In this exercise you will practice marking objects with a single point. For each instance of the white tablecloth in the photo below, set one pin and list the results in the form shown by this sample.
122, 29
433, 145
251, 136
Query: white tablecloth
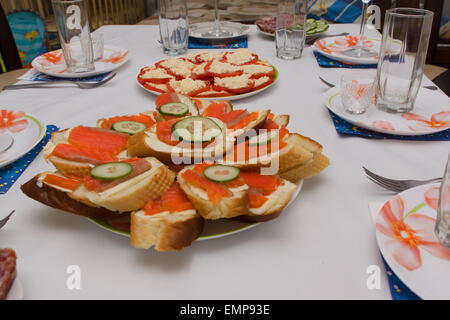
319, 248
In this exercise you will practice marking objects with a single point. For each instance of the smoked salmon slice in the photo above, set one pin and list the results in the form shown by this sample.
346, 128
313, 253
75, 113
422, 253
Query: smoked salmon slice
98, 139
260, 186
237, 119
173, 200
62, 182
79, 154
215, 191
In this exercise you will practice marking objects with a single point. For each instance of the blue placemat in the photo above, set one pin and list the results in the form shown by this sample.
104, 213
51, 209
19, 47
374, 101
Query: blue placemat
329, 63
399, 291
34, 75
344, 127
12, 172
195, 43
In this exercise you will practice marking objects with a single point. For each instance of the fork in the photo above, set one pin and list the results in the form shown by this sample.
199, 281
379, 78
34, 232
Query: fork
331, 85
396, 185
50, 84
5, 220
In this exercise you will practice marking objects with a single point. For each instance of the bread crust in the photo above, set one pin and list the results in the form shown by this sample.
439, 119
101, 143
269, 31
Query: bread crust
60, 200
227, 207
308, 170
135, 196
68, 167
165, 231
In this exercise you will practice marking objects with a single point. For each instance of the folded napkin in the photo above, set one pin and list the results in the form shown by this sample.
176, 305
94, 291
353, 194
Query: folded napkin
34, 75
399, 291
235, 43
326, 62
10, 173
344, 127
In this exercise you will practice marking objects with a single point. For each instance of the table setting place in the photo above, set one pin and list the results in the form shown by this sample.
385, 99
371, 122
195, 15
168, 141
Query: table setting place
186, 160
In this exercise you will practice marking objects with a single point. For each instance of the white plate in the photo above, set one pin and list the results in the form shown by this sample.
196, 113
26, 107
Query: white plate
52, 63
26, 130
212, 229
430, 105
197, 30
425, 273
16, 291
333, 47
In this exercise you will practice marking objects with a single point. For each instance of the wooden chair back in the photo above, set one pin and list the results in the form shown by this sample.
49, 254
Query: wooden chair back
103, 12
8, 49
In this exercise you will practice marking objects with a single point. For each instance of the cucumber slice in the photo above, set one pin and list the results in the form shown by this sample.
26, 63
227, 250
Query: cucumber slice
129, 127
176, 109
196, 130
263, 139
221, 173
111, 171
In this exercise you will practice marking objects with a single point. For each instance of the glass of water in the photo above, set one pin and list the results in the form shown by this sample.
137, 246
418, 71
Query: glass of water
74, 33
357, 92
404, 45
173, 26
442, 227
290, 29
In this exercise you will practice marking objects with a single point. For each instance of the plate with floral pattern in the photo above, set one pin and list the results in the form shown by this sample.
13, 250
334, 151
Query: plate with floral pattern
26, 130
53, 64
405, 236
333, 47
431, 114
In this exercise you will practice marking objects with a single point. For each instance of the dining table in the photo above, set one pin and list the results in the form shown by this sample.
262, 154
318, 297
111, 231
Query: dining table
323, 246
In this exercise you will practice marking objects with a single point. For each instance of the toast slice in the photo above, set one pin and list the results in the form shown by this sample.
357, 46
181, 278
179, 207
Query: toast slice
288, 153
148, 180
148, 144
76, 151
203, 195
169, 223
318, 163
268, 196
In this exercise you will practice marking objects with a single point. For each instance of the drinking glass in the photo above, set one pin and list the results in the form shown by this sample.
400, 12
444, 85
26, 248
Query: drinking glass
360, 51
173, 26
404, 45
74, 33
357, 92
218, 31
290, 29
442, 227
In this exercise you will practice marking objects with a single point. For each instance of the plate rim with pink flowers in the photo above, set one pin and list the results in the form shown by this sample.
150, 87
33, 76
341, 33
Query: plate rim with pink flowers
405, 236
27, 131
431, 114
104, 65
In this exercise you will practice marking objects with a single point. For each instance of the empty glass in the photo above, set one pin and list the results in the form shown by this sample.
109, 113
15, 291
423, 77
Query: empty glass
403, 51
290, 29
357, 92
74, 33
442, 227
173, 26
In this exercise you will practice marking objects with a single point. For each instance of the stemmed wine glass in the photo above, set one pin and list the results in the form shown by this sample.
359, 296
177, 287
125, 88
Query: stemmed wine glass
359, 51
217, 31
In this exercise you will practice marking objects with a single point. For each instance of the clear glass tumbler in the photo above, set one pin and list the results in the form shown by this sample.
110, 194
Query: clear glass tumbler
357, 92
406, 34
173, 26
290, 31
74, 33
442, 227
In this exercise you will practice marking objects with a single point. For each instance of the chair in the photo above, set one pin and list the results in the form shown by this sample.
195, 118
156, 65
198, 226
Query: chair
29, 33
10, 59
103, 12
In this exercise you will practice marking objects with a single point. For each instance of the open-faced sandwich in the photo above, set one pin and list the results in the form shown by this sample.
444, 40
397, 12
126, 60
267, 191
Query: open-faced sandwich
117, 187
268, 195
168, 223
291, 155
182, 140
128, 124
174, 105
77, 150
209, 74
216, 191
